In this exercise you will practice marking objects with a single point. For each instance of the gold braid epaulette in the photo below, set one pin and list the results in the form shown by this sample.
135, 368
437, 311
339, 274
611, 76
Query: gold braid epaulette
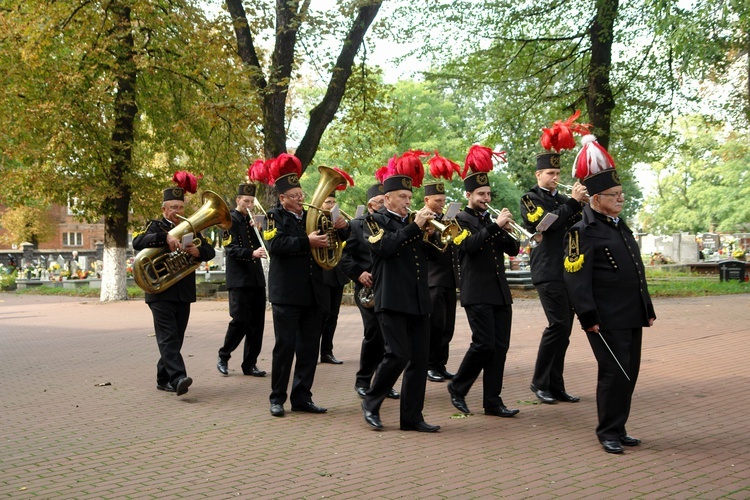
573, 261
534, 212
270, 232
376, 232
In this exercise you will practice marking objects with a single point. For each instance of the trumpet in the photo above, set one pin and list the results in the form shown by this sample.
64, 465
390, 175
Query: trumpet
446, 232
566, 187
519, 233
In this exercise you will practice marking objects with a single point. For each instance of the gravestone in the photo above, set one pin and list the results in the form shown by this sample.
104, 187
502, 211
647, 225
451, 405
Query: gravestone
730, 270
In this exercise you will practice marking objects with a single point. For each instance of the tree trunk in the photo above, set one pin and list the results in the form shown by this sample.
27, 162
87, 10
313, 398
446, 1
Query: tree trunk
116, 204
599, 100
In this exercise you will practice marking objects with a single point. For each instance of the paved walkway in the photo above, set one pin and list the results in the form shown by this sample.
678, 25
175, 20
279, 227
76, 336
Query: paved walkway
65, 435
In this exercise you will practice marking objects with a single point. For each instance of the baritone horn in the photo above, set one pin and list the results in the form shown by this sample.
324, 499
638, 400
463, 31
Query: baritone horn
155, 270
320, 220
519, 233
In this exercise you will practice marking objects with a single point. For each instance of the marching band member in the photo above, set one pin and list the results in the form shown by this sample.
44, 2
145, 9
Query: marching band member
402, 296
171, 308
443, 276
246, 285
356, 263
606, 282
547, 382
485, 294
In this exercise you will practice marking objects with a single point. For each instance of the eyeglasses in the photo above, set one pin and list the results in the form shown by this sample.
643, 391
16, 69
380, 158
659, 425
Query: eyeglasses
295, 197
616, 195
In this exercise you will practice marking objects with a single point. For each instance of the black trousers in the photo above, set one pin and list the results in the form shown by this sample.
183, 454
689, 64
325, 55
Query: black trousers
373, 346
407, 338
330, 320
297, 332
614, 391
442, 325
490, 339
247, 308
550, 359
170, 322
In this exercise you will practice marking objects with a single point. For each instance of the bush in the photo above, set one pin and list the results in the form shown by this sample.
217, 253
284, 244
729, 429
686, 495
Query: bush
8, 281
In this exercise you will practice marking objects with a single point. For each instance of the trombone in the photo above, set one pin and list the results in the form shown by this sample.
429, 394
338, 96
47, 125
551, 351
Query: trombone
519, 233
255, 227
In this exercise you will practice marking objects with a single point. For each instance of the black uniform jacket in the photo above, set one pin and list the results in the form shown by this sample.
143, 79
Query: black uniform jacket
156, 236
444, 270
239, 243
545, 258
399, 266
294, 277
356, 258
482, 261
608, 287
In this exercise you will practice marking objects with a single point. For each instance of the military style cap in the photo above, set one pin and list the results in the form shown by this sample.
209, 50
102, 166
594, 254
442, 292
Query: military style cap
174, 193
434, 188
602, 181
246, 190
547, 160
374, 190
286, 182
477, 180
397, 182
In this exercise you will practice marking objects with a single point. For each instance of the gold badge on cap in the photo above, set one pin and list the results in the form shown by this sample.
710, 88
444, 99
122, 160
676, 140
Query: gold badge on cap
439, 187
615, 176
482, 180
380, 189
293, 179
247, 189
176, 191
554, 161
406, 182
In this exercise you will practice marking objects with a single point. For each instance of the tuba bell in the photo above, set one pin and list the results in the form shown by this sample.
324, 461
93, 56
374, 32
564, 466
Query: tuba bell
155, 269
320, 220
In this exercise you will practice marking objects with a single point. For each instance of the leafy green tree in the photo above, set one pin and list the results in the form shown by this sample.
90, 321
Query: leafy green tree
104, 101
26, 224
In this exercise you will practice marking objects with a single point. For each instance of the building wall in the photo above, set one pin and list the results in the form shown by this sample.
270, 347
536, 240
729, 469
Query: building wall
69, 233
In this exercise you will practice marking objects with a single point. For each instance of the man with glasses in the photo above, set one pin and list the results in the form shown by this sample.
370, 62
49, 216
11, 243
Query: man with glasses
298, 297
606, 282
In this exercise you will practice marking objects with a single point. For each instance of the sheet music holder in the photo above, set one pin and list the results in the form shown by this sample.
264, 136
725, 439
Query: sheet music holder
546, 222
360, 211
453, 208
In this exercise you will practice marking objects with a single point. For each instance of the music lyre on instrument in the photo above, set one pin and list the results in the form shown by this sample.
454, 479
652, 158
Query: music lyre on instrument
519, 233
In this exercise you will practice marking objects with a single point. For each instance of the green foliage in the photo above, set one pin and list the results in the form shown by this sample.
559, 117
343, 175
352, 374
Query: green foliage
702, 182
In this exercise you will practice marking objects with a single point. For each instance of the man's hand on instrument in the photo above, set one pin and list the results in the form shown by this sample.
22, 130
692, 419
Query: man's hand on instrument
173, 243
504, 218
259, 253
579, 193
365, 278
318, 240
340, 223
423, 216
192, 250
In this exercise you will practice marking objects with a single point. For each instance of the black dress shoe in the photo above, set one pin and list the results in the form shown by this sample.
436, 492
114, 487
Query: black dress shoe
457, 400
277, 410
565, 397
372, 419
612, 446
362, 391
501, 411
256, 372
330, 358
165, 386
182, 385
309, 407
545, 397
434, 376
629, 441
221, 365
420, 427
447, 375
393, 394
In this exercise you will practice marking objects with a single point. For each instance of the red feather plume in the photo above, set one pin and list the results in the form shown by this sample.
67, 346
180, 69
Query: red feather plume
410, 163
345, 175
591, 159
441, 167
186, 181
258, 172
481, 159
282, 165
386, 171
560, 135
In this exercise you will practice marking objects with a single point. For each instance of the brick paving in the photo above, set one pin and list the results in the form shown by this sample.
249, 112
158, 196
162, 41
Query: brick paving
65, 436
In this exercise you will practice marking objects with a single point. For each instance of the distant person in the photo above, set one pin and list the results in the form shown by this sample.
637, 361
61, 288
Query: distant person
171, 307
246, 285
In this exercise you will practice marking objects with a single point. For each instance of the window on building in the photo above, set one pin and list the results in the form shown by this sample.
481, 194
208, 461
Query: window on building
72, 239
73, 206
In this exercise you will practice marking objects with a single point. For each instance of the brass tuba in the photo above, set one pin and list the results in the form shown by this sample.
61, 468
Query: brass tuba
155, 270
320, 220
